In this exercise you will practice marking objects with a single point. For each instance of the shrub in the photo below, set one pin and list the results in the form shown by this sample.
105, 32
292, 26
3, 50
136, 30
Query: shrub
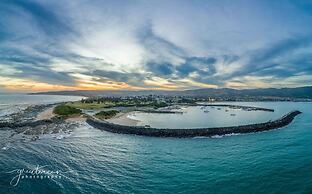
106, 114
160, 105
65, 110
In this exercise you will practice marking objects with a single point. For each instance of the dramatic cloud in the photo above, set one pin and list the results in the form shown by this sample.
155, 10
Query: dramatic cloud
172, 44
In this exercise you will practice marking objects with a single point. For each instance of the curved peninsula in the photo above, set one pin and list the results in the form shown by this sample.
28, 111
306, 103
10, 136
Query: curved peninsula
183, 133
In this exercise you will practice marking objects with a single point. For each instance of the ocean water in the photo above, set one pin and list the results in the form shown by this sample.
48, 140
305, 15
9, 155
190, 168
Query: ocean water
10, 103
94, 161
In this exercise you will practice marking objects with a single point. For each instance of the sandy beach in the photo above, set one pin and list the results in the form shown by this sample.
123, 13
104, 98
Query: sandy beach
122, 119
46, 114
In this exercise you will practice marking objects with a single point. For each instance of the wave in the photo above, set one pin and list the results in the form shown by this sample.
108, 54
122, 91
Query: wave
217, 136
226, 135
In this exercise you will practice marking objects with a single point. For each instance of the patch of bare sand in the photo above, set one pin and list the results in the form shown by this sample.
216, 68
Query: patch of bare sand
79, 118
46, 114
123, 119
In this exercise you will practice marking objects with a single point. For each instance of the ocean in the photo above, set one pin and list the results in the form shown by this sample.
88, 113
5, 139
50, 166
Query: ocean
94, 161
10, 103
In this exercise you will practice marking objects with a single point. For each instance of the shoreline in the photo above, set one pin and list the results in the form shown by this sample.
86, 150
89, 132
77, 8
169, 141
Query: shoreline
37, 120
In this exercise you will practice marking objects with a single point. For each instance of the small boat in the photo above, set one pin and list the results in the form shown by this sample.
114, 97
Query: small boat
206, 111
233, 114
219, 108
147, 126
226, 110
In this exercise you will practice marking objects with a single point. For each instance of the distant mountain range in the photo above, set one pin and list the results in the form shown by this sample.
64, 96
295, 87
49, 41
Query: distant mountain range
226, 93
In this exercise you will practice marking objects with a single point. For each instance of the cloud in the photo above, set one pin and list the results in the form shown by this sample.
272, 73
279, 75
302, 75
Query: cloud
162, 69
282, 59
144, 44
135, 79
46, 20
26, 65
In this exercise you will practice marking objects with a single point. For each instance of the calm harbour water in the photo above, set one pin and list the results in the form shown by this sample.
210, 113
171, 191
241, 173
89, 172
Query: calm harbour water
201, 117
95, 161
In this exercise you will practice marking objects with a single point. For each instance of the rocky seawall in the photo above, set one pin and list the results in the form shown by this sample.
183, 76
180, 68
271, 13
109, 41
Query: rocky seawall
183, 133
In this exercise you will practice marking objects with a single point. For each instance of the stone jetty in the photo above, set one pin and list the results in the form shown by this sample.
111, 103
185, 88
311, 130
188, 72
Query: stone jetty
183, 133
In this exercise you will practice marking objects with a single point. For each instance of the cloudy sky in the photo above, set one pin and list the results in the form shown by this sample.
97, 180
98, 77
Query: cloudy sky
154, 44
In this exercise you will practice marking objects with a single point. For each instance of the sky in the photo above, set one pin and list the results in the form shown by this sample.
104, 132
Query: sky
48, 45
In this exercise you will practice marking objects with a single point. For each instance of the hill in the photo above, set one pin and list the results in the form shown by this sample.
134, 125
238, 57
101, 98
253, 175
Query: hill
223, 93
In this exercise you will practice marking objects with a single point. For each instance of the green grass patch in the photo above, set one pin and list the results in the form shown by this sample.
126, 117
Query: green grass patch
159, 105
106, 114
64, 110
94, 105
100, 104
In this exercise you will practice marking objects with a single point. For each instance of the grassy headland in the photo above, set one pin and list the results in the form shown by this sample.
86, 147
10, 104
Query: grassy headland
90, 105
106, 102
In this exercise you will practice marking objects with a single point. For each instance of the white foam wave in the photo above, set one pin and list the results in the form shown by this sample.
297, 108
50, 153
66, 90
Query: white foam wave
226, 135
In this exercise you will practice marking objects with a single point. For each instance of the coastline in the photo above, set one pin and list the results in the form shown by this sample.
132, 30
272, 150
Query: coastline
46, 122
38, 120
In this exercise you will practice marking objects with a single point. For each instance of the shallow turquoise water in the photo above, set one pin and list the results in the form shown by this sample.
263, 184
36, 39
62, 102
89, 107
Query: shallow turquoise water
277, 161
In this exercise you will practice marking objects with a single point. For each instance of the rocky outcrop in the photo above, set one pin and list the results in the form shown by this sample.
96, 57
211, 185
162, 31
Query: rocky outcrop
39, 127
208, 132
28, 123
28, 114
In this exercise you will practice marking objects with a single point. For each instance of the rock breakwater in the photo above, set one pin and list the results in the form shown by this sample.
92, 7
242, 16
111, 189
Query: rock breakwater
182, 133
